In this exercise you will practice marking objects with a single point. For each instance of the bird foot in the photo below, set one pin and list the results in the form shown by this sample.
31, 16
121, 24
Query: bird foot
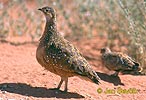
58, 89
114, 75
65, 91
54, 89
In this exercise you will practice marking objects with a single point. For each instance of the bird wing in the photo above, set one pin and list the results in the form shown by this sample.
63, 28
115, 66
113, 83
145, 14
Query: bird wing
130, 59
67, 57
77, 63
128, 62
119, 61
75, 59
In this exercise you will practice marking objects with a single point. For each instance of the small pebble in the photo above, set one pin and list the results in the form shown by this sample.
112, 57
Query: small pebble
4, 92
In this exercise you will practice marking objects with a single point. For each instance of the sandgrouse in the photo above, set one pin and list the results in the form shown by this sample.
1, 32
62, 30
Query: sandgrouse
118, 61
59, 56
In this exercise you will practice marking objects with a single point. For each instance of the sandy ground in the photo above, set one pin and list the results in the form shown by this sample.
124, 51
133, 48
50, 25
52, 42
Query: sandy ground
22, 78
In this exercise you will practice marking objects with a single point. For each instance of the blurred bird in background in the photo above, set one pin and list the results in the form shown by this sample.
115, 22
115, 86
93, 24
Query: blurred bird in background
118, 61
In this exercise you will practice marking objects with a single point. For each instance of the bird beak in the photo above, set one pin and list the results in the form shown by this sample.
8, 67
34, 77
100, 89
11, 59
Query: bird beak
40, 9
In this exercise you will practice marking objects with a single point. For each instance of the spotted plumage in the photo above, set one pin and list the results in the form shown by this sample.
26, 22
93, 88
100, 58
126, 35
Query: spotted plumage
118, 61
59, 56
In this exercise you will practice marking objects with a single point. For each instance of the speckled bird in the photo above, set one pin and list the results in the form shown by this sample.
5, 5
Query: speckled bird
118, 61
59, 56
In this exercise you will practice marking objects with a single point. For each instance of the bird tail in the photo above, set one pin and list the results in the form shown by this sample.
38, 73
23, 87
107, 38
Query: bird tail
94, 77
137, 67
136, 64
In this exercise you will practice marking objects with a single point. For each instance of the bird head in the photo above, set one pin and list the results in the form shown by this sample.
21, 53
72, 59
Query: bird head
49, 13
105, 50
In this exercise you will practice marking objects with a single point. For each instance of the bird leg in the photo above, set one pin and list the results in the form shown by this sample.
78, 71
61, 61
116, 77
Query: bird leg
60, 83
115, 74
66, 83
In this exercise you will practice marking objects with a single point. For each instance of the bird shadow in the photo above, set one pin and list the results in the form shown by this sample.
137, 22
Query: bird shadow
111, 79
27, 90
18, 43
134, 73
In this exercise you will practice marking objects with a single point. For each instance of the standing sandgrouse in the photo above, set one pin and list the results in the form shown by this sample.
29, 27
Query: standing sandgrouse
118, 61
59, 56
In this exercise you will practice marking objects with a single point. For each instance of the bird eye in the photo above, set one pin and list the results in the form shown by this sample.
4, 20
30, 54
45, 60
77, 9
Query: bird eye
47, 10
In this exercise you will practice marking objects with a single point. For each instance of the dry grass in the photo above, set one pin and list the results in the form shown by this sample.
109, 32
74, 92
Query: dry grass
134, 12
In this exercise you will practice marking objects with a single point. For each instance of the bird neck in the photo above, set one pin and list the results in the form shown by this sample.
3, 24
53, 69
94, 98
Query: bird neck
50, 30
50, 27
